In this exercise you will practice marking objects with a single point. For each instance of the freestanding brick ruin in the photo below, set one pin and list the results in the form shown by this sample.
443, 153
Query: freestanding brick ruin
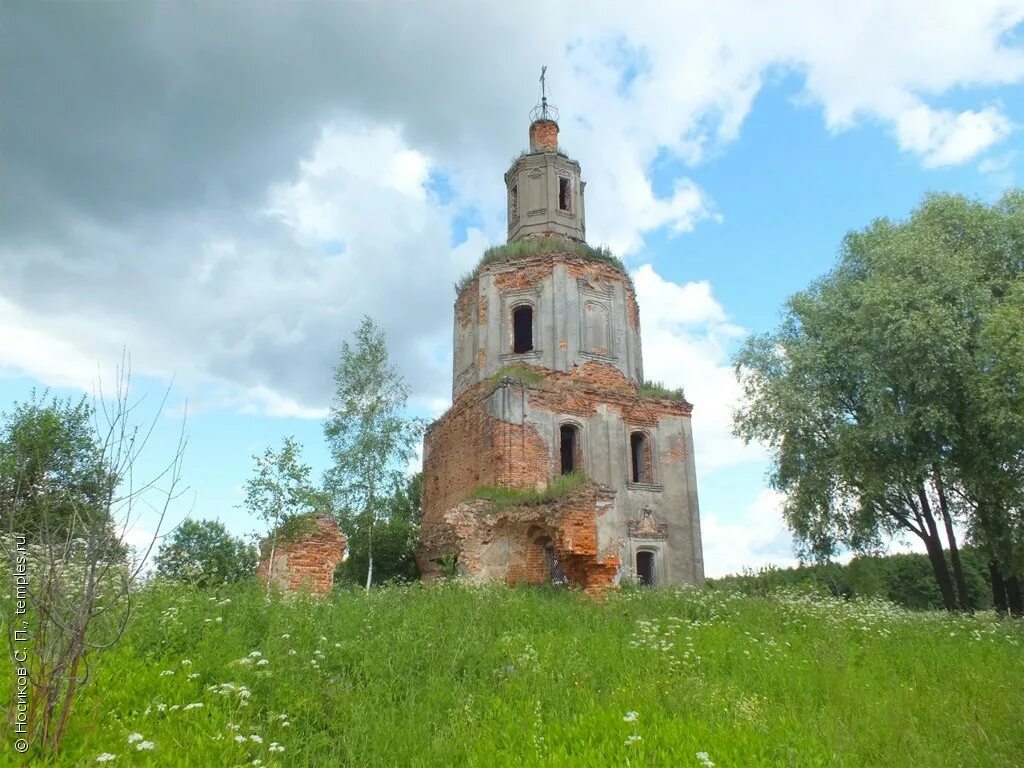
547, 381
307, 562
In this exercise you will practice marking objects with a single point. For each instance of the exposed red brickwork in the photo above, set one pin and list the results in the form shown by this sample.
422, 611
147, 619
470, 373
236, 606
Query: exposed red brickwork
675, 452
599, 383
509, 543
308, 562
467, 448
544, 135
481, 315
464, 305
632, 311
521, 276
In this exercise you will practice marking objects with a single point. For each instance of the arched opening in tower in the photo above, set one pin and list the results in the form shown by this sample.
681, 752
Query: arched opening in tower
522, 329
645, 568
569, 441
640, 457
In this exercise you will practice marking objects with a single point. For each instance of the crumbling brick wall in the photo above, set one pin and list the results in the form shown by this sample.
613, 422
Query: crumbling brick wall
468, 448
307, 562
510, 543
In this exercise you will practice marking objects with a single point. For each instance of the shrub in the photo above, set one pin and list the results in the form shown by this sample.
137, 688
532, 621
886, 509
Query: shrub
559, 487
657, 389
202, 552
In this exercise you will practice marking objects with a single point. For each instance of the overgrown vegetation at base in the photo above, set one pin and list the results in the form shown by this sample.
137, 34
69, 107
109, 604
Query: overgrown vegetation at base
905, 579
657, 389
557, 488
491, 677
523, 248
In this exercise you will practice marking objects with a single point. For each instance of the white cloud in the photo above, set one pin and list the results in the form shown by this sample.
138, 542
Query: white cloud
687, 340
943, 137
756, 538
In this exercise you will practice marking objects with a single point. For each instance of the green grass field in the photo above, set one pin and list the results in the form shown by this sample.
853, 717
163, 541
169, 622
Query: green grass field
458, 676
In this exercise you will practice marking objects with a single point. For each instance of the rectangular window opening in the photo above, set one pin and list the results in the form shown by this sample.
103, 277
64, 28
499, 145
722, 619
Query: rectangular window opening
522, 329
568, 436
564, 194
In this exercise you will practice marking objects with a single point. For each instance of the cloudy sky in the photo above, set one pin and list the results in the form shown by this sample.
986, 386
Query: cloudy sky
225, 189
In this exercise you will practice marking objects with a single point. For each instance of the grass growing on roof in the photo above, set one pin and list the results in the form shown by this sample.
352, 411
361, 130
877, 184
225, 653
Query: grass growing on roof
523, 248
520, 373
657, 389
558, 488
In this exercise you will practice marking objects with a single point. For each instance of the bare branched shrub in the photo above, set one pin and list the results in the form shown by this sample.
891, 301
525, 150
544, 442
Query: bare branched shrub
66, 521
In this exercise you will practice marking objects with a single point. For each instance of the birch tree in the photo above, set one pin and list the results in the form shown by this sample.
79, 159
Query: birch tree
371, 440
279, 491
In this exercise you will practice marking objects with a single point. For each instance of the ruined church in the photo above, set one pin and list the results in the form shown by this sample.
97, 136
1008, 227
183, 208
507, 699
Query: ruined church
548, 382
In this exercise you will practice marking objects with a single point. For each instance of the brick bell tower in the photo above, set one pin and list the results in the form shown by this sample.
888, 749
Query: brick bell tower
547, 382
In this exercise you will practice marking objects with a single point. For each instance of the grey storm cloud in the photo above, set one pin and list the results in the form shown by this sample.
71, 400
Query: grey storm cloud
122, 110
134, 135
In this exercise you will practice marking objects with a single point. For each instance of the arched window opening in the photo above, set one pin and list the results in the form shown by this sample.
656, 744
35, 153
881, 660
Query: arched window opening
640, 458
645, 568
513, 201
522, 329
569, 438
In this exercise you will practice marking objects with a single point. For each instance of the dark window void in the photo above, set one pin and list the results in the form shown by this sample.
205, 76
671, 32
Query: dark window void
564, 194
640, 457
569, 434
553, 568
522, 329
645, 568
513, 201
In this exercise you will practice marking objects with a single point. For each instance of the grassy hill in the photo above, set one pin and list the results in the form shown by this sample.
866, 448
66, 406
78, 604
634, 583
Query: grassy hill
450, 675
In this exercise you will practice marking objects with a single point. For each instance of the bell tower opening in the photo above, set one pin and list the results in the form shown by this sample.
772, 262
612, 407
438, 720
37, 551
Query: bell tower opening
522, 329
545, 191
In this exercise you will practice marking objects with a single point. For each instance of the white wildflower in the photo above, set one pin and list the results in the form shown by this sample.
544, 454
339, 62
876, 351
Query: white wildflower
135, 737
705, 760
186, 663
106, 757
167, 672
255, 738
630, 717
275, 747
262, 663
144, 746
240, 739
194, 705
632, 739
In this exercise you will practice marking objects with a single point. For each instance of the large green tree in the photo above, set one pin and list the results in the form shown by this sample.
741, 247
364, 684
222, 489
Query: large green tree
202, 552
891, 392
52, 470
370, 437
